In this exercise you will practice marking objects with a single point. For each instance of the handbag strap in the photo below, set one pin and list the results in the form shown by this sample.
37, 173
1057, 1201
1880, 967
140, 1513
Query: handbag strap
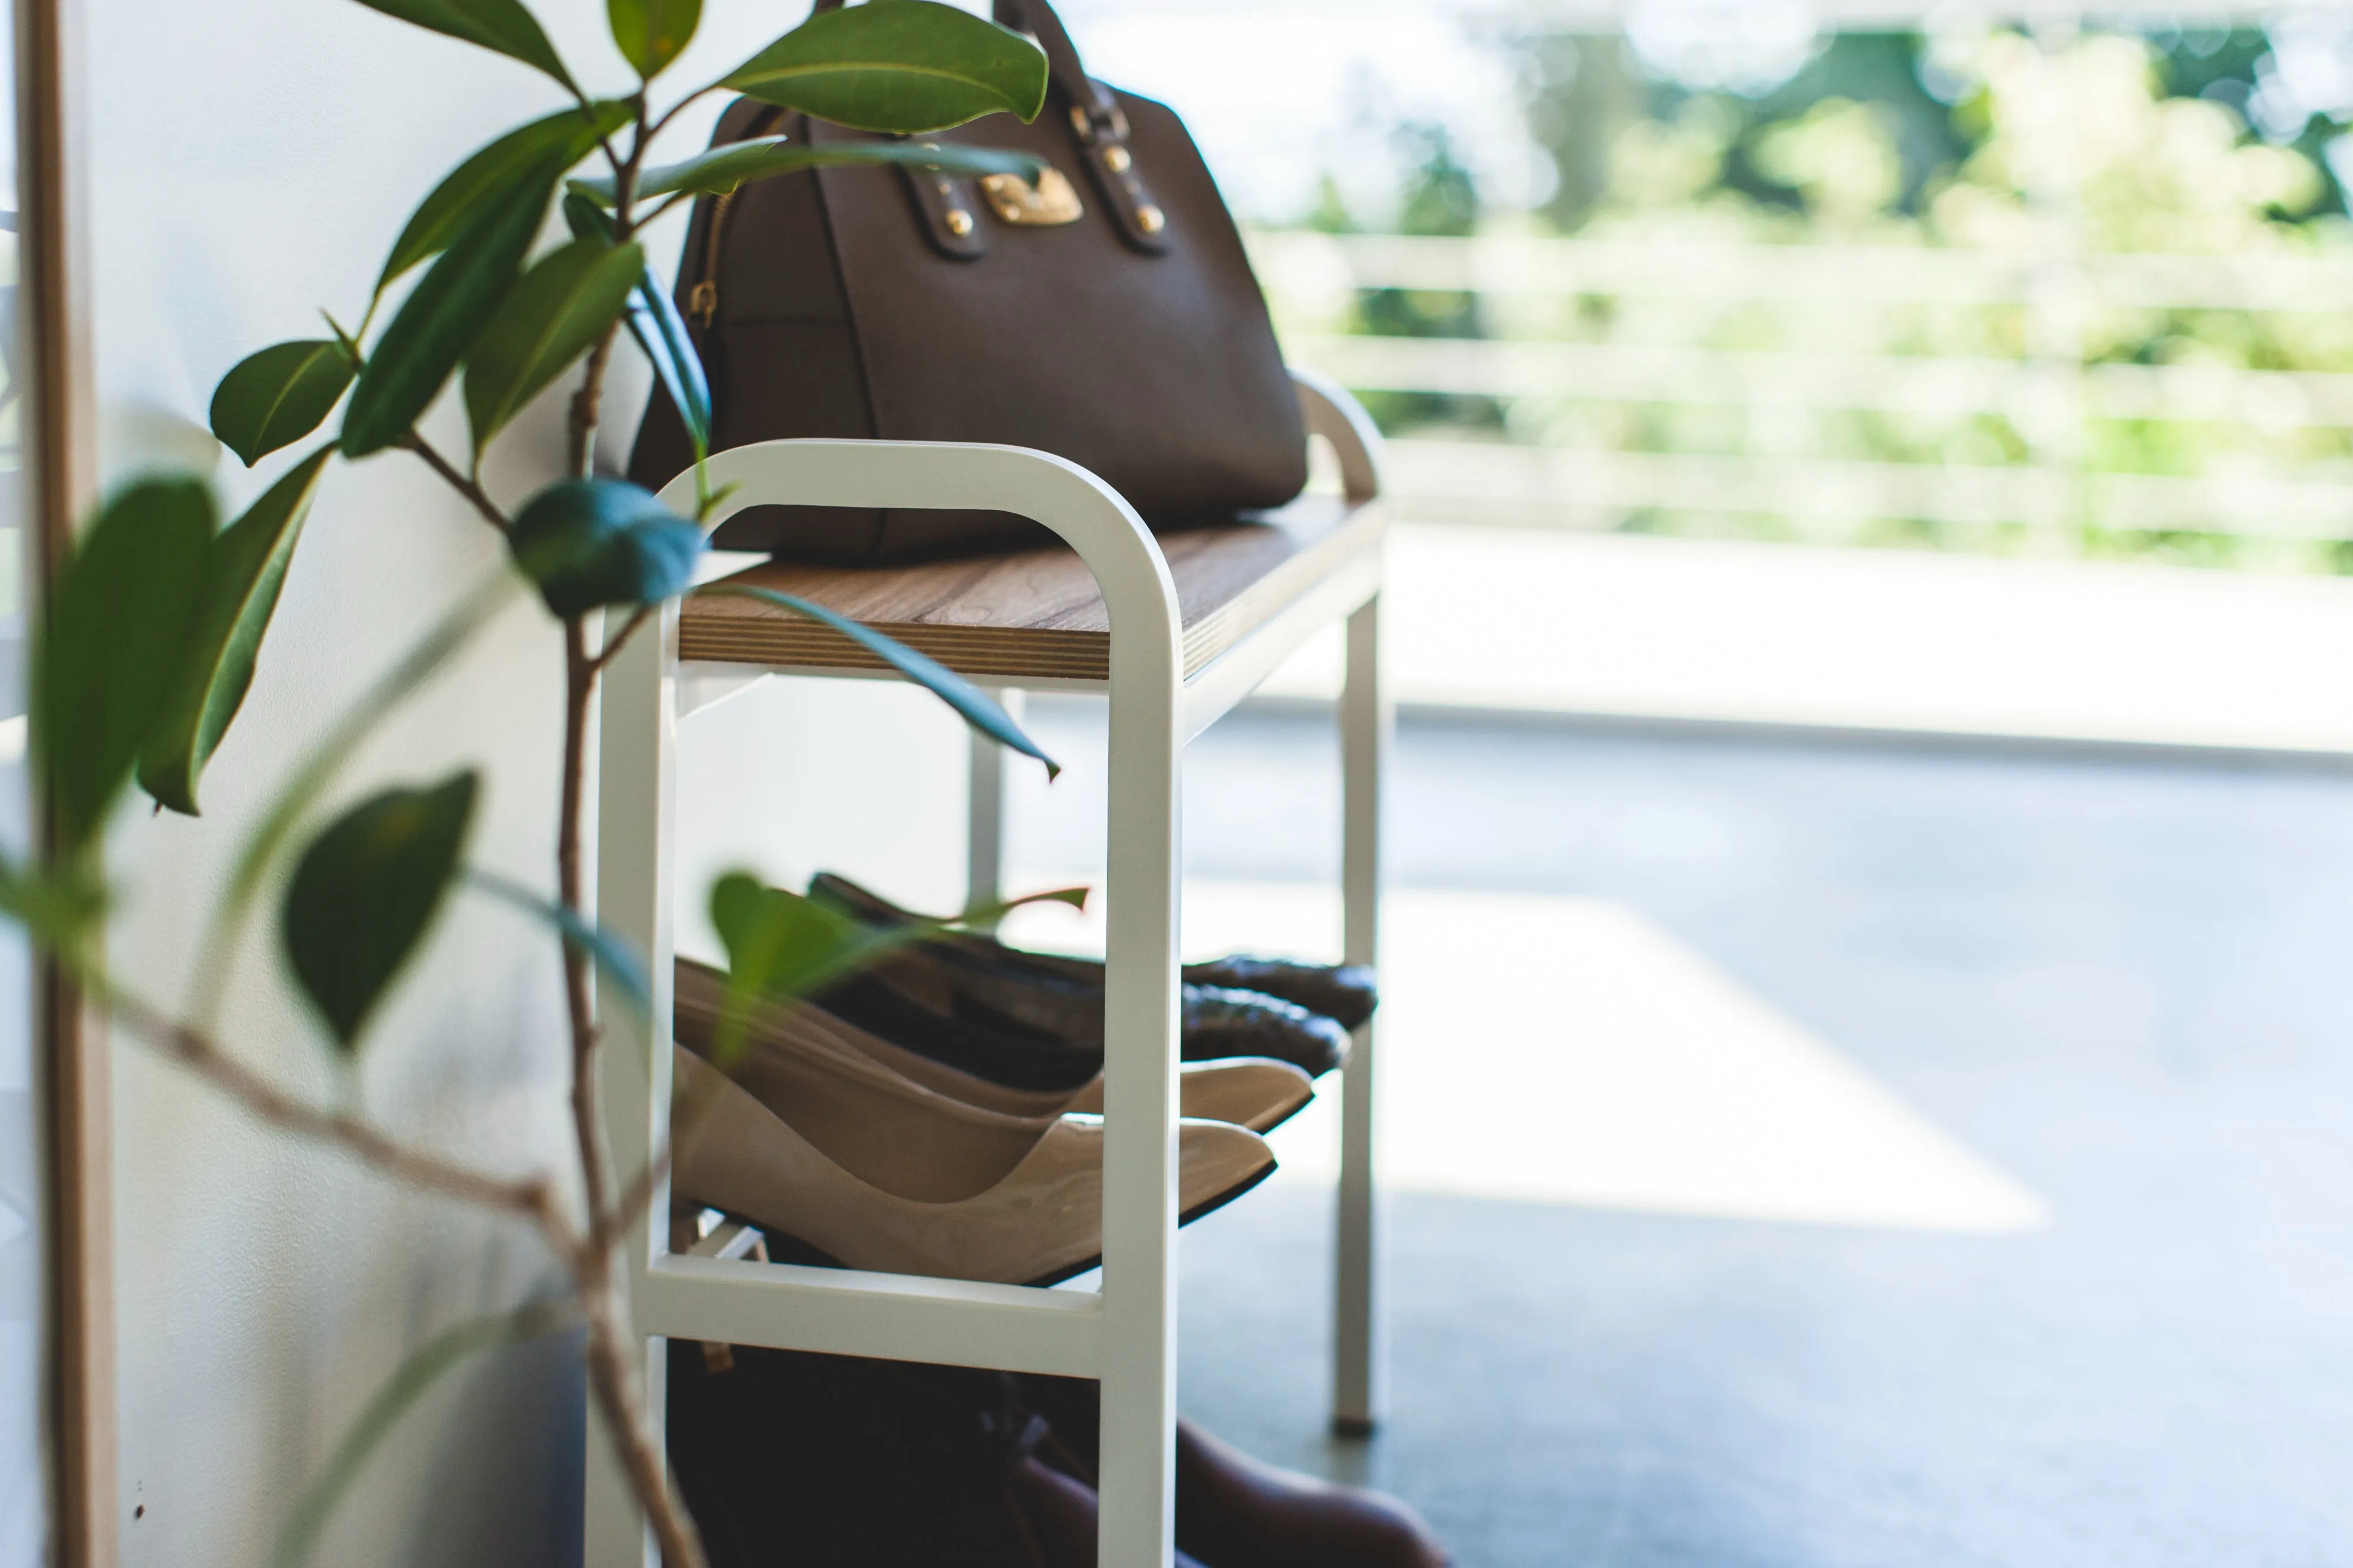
1096, 120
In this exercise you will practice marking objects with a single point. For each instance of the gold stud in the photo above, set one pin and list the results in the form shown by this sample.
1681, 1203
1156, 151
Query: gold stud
1081, 124
1149, 218
959, 222
1116, 160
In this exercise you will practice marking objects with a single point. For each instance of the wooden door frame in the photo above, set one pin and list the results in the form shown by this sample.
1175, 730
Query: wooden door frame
71, 1071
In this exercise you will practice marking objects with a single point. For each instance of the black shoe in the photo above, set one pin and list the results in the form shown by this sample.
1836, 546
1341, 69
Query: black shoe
1017, 1019
1343, 993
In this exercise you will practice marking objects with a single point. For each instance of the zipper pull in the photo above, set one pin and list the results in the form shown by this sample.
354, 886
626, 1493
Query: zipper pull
703, 300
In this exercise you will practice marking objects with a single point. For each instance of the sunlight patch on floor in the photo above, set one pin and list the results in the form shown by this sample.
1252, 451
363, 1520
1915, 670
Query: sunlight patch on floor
1569, 1050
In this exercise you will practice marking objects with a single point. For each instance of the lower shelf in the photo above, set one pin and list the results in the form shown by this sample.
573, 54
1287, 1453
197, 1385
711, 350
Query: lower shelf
895, 1317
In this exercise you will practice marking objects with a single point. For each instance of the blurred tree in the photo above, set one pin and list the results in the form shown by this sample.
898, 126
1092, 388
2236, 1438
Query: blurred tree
2218, 142
1440, 198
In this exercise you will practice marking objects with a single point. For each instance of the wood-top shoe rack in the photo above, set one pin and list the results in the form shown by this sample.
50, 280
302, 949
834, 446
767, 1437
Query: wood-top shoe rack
1176, 632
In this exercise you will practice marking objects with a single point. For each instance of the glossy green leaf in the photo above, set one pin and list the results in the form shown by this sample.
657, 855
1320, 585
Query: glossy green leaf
364, 892
244, 570
978, 708
409, 1383
607, 951
782, 945
325, 759
555, 311
502, 25
660, 331
59, 908
443, 315
722, 169
589, 542
276, 396
112, 645
905, 67
497, 175
652, 32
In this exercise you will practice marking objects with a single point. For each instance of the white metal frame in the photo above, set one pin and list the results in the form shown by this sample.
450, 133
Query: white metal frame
1125, 1334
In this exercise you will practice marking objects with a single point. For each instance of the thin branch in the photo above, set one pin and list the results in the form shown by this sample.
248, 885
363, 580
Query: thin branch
532, 1197
630, 1206
587, 1112
587, 403
460, 482
637, 142
613, 1371
662, 123
612, 649
675, 199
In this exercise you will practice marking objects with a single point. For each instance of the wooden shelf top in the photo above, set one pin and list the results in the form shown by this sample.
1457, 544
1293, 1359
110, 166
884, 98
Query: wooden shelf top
1035, 613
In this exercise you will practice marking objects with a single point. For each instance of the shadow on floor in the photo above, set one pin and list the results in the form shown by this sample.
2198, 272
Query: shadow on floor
2123, 983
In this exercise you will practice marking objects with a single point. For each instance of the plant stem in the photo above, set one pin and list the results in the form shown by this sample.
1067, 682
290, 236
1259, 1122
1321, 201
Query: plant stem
587, 403
474, 493
612, 1349
587, 1112
612, 1368
529, 1196
620, 639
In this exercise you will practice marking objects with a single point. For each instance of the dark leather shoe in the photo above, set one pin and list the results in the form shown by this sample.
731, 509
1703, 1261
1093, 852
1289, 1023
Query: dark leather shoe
1059, 1511
1234, 1512
1342, 993
1033, 1021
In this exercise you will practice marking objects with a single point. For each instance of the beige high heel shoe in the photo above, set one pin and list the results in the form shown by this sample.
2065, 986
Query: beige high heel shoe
1255, 1093
911, 1188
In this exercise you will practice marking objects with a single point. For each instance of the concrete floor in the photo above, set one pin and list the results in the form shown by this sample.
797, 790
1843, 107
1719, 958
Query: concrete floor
2122, 983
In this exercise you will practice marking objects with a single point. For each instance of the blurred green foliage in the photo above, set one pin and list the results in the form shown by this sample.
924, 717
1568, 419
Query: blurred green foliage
2065, 149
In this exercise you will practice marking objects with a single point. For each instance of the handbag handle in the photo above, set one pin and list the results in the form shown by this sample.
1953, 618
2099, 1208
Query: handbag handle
1062, 63
1096, 120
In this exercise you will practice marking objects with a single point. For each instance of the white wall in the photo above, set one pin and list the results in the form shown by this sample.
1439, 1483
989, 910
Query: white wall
251, 162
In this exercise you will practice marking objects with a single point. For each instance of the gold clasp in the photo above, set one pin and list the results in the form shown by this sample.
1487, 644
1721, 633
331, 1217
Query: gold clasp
1015, 201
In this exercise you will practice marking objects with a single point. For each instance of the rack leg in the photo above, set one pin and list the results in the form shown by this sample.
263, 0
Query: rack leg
1365, 726
1138, 1466
985, 844
636, 806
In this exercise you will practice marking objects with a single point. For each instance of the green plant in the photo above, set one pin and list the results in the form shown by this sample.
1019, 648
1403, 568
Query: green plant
153, 628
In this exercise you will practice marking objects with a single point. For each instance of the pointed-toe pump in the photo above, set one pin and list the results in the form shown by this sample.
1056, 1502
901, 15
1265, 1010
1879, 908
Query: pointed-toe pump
915, 1191
1247, 1092
1257, 1093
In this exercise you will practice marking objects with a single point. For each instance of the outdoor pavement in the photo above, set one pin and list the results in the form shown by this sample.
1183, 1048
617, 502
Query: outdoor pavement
1803, 1152
1521, 620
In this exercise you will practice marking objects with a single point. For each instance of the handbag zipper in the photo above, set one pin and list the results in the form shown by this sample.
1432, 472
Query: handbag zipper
703, 300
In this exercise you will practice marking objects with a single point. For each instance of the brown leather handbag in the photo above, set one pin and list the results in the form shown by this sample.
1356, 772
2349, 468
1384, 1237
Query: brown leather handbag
1105, 313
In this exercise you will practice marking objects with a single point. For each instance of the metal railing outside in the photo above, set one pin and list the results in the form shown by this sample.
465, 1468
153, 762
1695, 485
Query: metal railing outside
2047, 391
